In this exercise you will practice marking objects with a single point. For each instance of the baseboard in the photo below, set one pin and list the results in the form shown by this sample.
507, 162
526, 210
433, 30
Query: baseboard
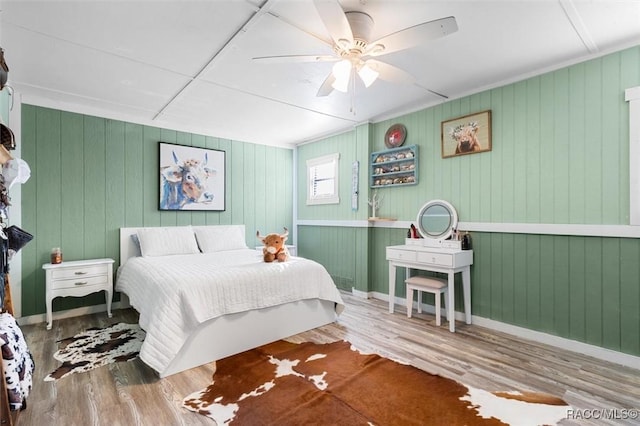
560, 342
361, 294
537, 336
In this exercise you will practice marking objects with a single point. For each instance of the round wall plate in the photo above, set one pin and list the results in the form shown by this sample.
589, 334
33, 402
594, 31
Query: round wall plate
395, 136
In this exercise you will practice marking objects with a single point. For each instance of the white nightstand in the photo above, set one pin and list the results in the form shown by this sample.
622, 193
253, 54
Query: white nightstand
78, 278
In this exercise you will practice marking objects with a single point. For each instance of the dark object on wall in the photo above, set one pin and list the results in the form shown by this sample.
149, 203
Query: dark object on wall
5, 155
17, 237
7, 139
4, 70
4, 193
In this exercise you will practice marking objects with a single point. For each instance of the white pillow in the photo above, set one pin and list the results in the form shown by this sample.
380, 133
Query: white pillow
166, 241
219, 238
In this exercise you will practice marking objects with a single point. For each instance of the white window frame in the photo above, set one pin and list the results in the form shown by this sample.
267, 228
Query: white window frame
332, 198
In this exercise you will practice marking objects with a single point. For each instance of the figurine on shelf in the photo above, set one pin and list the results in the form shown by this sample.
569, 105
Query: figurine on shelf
374, 202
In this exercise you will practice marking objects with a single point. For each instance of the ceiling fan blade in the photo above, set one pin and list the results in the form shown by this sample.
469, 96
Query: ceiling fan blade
326, 87
335, 20
413, 36
390, 73
295, 58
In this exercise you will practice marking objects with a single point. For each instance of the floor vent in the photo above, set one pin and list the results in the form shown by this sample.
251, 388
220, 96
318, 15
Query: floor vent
343, 283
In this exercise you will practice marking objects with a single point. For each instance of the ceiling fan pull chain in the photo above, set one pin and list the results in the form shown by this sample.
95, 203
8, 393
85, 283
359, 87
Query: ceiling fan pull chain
352, 109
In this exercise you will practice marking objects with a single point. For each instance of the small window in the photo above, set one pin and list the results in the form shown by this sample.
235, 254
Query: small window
322, 180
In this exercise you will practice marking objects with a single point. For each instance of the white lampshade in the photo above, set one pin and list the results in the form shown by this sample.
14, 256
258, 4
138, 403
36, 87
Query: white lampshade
342, 72
368, 75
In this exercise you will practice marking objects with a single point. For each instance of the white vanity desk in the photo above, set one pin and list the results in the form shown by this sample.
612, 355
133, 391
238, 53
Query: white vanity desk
434, 259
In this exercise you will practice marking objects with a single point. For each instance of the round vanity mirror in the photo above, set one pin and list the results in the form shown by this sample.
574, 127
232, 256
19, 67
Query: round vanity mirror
437, 219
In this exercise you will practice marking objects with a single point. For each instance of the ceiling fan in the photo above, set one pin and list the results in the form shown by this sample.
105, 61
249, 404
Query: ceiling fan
355, 53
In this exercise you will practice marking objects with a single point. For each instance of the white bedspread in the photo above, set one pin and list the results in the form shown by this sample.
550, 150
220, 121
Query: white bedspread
174, 294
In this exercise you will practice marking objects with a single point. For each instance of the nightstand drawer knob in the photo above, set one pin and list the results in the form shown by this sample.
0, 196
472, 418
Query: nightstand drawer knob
80, 273
80, 283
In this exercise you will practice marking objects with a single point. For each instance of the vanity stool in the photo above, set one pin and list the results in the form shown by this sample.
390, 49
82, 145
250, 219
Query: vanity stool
437, 286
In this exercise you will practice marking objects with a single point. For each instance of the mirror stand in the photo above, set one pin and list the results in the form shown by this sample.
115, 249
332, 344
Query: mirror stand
437, 221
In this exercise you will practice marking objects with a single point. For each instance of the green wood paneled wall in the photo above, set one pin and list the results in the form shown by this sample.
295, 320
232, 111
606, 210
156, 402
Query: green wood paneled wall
559, 152
352, 146
343, 251
559, 155
92, 176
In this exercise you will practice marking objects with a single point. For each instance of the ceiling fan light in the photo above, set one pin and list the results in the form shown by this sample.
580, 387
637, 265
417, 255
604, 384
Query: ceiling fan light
342, 72
341, 85
368, 75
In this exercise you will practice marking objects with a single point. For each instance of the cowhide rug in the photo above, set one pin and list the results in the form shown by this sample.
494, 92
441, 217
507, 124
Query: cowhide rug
97, 347
333, 384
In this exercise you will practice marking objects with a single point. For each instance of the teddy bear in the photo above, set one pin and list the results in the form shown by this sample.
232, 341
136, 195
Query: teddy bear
274, 246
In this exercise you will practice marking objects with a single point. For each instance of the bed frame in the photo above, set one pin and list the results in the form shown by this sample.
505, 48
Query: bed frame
234, 333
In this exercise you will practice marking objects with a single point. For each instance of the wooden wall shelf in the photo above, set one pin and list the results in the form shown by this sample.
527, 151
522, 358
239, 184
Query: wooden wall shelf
394, 167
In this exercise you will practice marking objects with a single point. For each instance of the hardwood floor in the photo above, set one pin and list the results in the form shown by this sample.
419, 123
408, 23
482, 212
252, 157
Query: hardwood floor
130, 393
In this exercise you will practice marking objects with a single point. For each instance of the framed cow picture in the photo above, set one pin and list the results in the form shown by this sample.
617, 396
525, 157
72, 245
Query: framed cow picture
191, 178
468, 134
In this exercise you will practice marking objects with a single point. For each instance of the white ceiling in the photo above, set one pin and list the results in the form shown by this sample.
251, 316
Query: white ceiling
187, 65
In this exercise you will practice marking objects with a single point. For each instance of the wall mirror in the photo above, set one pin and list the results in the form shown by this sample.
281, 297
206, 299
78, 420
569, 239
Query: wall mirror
437, 219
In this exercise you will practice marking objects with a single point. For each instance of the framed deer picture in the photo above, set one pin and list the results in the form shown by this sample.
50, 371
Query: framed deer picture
468, 134
191, 178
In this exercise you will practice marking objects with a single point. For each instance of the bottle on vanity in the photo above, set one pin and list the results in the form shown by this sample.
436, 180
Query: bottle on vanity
466, 241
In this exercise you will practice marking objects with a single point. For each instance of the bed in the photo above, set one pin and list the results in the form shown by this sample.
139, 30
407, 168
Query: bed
202, 303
